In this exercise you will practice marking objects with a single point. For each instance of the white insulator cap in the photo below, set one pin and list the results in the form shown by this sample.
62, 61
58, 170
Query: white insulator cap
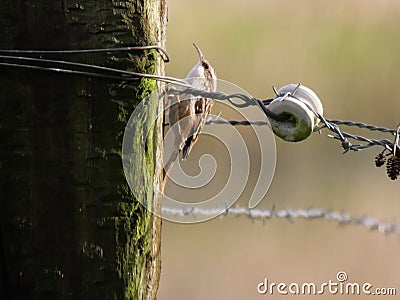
299, 103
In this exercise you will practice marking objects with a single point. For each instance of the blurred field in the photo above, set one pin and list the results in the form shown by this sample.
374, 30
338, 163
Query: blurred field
348, 52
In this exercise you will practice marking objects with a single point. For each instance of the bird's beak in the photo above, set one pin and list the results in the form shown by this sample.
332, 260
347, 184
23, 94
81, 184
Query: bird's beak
201, 56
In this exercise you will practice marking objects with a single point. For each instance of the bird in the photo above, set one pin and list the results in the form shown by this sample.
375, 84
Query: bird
187, 113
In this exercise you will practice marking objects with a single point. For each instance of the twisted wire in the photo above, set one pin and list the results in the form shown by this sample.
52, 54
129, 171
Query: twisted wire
237, 122
247, 101
331, 125
387, 144
362, 125
307, 214
76, 68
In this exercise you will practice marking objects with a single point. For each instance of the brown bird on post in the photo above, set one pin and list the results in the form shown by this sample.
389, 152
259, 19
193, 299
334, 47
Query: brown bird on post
187, 113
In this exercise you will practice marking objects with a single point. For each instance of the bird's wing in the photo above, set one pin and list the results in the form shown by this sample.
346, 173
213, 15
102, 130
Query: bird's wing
202, 108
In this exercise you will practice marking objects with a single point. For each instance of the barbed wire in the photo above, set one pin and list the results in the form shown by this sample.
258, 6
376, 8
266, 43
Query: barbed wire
337, 122
76, 68
289, 214
331, 125
361, 125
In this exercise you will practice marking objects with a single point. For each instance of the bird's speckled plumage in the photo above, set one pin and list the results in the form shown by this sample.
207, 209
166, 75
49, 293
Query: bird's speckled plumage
189, 112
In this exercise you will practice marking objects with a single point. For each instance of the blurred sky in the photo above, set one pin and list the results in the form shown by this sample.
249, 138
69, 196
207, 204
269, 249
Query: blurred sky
348, 52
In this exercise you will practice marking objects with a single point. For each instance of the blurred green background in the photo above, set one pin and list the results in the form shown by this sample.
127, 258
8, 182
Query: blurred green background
348, 52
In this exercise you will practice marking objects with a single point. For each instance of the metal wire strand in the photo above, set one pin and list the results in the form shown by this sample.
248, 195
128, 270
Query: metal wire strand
360, 125
93, 70
290, 214
247, 101
164, 54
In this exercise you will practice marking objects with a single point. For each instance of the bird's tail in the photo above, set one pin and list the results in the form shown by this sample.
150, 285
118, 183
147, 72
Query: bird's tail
188, 146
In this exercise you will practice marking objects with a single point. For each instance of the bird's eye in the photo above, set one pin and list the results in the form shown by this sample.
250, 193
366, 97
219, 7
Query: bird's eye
205, 66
